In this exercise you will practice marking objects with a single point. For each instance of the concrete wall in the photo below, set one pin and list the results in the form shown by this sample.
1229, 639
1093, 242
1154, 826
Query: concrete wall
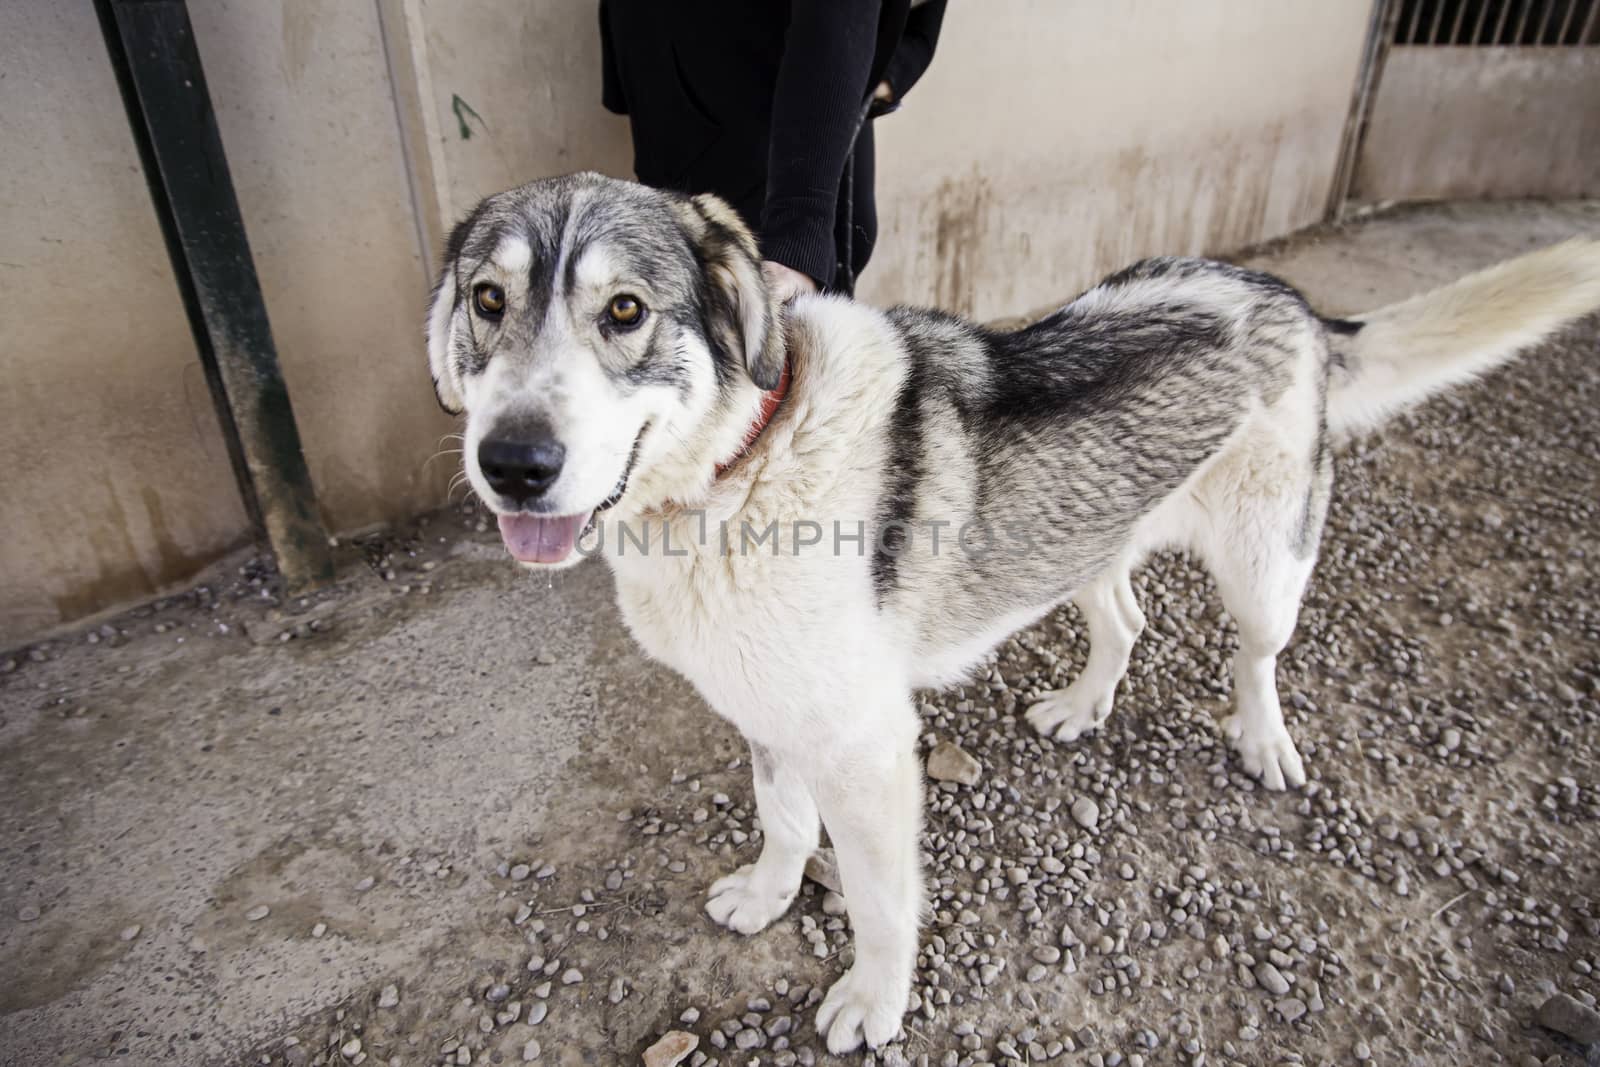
1052, 140
1483, 122
308, 120
118, 483
115, 480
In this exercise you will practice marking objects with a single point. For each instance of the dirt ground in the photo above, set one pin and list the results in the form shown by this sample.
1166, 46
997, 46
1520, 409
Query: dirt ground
447, 814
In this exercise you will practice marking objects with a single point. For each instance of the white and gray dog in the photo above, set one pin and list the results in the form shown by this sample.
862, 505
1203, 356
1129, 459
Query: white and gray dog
813, 511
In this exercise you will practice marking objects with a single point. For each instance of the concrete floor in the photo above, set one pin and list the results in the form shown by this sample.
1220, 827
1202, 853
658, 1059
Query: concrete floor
442, 767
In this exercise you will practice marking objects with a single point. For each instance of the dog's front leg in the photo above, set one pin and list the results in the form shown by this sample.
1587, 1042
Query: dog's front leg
872, 805
753, 896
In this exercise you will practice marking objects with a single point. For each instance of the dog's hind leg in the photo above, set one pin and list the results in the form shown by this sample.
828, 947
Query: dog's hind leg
1261, 578
753, 896
1115, 622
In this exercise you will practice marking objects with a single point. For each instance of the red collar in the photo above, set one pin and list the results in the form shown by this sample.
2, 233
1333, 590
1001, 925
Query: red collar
769, 407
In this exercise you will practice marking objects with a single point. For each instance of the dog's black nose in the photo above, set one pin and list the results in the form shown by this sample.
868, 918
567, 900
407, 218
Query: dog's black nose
521, 470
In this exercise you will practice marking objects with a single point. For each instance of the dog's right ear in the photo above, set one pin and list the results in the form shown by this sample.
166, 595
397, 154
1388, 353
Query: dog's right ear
442, 313
741, 313
441, 316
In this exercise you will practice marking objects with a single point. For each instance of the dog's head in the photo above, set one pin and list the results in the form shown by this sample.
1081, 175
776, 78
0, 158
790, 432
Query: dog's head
591, 329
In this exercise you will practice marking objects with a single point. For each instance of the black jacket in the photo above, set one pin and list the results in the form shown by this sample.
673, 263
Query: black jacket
760, 101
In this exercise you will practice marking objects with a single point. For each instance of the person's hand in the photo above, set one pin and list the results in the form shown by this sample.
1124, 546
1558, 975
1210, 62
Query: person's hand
786, 283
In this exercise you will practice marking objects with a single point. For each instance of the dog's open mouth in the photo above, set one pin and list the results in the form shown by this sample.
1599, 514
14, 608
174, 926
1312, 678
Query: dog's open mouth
551, 538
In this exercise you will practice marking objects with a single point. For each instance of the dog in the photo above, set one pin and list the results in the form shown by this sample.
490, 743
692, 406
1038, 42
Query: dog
813, 510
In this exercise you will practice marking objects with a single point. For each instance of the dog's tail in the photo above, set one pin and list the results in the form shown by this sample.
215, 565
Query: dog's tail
1399, 355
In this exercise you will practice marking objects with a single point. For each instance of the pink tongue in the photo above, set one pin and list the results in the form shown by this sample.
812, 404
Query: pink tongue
541, 538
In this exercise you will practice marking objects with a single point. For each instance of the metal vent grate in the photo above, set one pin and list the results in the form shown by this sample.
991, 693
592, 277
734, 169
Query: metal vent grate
1545, 23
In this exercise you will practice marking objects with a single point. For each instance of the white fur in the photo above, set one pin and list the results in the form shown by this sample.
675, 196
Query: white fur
795, 652
1408, 351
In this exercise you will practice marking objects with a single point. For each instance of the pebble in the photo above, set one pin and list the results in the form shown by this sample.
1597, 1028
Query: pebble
130, 932
537, 1012
389, 997
823, 869
1086, 812
671, 1049
257, 913
1571, 1017
28, 913
949, 762
571, 976
531, 1050
1272, 979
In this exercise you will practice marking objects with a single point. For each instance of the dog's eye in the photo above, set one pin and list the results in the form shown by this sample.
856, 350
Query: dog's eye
625, 310
490, 299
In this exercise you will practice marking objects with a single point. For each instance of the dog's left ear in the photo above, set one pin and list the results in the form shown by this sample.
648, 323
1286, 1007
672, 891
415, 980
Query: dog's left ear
741, 313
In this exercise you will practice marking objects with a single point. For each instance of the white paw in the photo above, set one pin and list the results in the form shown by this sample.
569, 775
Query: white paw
1068, 714
861, 1007
747, 901
1268, 754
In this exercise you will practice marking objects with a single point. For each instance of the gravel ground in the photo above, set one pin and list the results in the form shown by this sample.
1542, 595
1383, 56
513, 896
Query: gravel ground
1130, 899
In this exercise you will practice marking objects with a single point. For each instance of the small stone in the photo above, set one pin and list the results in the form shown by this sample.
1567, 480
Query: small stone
257, 913
949, 762
618, 990
673, 1047
319, 929
497, 992
822, 869
833, 904
130, 932
351, 1049
536, 1012
28, 913
531, 1050
1573, 1018
1291, 1009
389, 997
366, 884
571, 976
521, 872
1272, 979
1086, 813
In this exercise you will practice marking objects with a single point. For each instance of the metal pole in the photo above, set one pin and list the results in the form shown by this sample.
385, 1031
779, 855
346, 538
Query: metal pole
1381, 25
153, 51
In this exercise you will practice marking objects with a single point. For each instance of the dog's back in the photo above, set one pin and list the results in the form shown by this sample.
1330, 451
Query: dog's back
1049, 444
